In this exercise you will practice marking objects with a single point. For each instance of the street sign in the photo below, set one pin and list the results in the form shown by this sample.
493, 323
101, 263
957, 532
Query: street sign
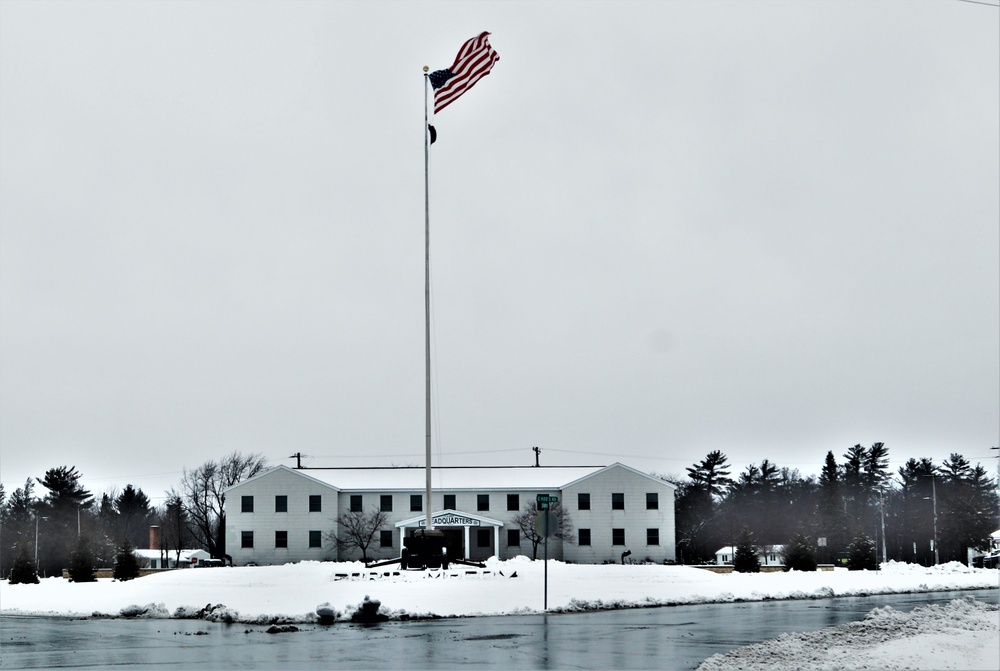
546, 523
544, 500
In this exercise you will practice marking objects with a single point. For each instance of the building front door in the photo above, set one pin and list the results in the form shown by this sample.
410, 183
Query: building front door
453, 540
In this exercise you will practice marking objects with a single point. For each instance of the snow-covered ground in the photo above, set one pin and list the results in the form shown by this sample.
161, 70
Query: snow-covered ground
929, 638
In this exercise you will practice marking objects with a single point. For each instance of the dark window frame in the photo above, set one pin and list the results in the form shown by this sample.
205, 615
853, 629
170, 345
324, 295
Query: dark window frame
450, 499
652, 501
383, 534
315, 503
281, 538
653, 536
617, 537
357, 503
514, 499
246, 539
416, 503
584, 537
385, 503
617, 500
482, 502
484, 535
315, 539
583, 501
514, 534
281, 503
246, 504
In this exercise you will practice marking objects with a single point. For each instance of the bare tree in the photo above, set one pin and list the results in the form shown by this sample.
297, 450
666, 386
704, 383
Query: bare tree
203, 491
525, 521
357, 530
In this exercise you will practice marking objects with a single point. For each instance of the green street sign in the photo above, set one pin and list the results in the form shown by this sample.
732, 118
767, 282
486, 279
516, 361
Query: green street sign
544, 500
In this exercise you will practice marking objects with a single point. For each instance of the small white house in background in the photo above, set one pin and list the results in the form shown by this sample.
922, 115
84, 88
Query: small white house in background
168, 559
769, 555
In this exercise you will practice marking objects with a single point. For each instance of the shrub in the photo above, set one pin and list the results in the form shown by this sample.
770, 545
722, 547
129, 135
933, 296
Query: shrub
745, 559
81, 562
799, 554
861, 554
24, 571
126, 563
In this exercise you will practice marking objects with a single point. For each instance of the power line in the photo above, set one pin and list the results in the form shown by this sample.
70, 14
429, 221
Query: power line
977, 2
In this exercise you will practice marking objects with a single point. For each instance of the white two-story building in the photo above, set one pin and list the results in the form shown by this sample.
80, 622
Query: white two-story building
286, 515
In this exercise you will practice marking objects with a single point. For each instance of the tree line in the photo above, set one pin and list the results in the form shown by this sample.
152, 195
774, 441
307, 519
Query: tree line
56, 523
923, 513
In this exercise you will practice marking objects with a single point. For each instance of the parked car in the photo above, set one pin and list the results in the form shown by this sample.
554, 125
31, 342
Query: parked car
992, 559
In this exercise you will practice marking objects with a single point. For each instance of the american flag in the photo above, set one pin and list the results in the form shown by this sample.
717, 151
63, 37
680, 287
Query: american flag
474, 61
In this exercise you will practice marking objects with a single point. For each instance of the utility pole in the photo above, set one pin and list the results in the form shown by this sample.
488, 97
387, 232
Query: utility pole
937, 559
538, 451
881, 505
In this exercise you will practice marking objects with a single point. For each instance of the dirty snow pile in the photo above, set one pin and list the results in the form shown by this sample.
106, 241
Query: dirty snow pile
963, 634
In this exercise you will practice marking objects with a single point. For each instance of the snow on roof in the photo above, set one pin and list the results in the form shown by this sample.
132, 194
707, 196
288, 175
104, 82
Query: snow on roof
454, 479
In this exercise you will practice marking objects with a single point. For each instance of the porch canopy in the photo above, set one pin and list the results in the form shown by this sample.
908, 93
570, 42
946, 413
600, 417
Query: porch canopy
456, 518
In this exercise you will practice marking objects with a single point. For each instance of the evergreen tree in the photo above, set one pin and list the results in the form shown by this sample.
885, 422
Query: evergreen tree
799, 554
126, 563
745, 559
81, 562
64, 506
861, 554
24, 571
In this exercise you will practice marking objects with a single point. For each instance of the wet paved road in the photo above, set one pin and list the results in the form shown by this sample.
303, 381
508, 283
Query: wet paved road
655, 638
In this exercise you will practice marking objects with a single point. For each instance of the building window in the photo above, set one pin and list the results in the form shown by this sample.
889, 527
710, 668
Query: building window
618, 537
583, 501
356, 503
584, 535
483, 537
315, 503
652, 536
416, 503
652, 501
246, 539
281, 503
482, 501
385, 538
281, 539
246, 504
513, 538
513, 502
449, 502
315, 539
618, 501
385, 503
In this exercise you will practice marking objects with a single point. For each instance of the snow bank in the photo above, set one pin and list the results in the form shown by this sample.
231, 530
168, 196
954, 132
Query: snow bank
291, 593
964, 634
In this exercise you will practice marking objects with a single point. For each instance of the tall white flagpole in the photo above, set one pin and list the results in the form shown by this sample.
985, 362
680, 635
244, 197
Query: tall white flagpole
427, 301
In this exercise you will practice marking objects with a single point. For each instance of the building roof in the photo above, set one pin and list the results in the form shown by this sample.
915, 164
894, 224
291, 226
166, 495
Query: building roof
442, 478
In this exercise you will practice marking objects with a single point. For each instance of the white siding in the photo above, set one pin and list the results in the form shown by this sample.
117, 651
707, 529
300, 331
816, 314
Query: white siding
600, 483
635, 519
264, 521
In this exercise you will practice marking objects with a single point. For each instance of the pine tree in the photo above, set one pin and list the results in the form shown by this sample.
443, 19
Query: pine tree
799, 554
81, 562
24, 571
126, 563
745, 559
861, 554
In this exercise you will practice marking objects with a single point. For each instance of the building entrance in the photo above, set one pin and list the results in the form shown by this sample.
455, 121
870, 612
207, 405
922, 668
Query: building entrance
453, 542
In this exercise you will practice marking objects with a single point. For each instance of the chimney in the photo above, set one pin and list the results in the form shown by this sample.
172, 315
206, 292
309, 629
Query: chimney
154, 538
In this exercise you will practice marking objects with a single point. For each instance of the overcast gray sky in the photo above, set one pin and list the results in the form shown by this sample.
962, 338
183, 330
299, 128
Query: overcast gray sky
658, 229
